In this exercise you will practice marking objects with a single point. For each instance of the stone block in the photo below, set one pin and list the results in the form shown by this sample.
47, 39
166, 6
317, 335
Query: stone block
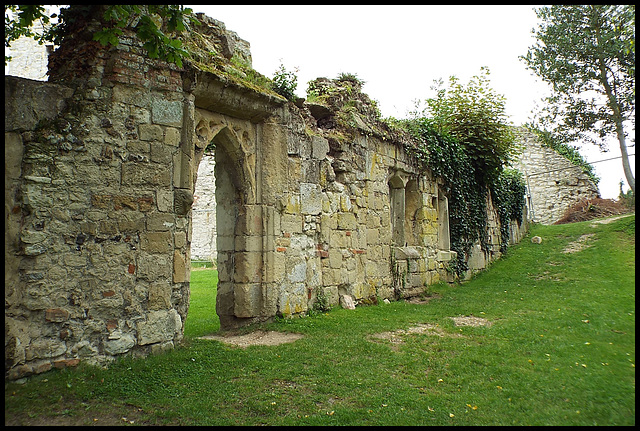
339, 239
165, 200
130, 95
345, 203
254, 243
172, 137
347, 302
156, 242
161, 154
346, 221
145, 174
182, 201
292, 204
145, 203
180, 239
159, 326
130, 222
119, 343
108, 227
249, 222
159, 297
56, 315
446, 256
294, 300
310, 198
319, 147
150, 132
406, 253
248, 267
32, 237
167, 113
298, 272
13, 153
179, 267
335, 258
247, 300
43, 348
160, 222
291, 223
373, 236
426, 213
279, 268
225, 299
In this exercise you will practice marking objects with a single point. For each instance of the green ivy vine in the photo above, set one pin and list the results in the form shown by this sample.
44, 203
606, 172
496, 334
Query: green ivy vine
466, 188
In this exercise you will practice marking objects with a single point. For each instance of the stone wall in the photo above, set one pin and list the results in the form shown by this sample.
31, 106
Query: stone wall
203, 232
313, 203
554, 184
28, 58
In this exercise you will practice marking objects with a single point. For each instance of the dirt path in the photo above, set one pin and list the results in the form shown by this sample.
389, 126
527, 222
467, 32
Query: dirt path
256, 338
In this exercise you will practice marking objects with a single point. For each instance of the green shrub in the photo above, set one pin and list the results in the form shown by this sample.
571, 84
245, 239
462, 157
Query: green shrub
285, 83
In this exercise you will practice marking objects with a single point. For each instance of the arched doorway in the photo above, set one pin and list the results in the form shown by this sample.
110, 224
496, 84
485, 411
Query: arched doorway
228, 204
238, 220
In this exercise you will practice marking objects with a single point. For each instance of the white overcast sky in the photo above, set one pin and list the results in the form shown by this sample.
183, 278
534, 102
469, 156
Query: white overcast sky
400, 50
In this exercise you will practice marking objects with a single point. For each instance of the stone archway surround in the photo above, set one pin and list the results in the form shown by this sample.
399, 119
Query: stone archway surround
239, 218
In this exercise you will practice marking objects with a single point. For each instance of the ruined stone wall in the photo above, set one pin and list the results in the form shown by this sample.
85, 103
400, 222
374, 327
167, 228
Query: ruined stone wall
28, 58
554, 184
334, 223
203, 232
98, 222
313, 204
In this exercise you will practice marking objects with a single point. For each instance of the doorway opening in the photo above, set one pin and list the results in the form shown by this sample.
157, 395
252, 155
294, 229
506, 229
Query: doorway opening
214, 215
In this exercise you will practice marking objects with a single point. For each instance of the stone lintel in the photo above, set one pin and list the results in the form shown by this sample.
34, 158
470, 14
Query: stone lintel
216, 94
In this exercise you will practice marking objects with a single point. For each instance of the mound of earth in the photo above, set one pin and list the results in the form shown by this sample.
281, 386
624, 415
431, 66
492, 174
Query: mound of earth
590, 209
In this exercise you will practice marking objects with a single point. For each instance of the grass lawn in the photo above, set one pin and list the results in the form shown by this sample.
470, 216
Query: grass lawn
558, 348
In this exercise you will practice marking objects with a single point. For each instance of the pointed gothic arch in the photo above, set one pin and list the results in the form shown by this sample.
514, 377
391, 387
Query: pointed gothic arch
239, 253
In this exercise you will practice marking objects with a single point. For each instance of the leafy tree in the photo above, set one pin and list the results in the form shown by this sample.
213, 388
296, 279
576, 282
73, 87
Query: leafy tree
587, 54
155, 25
474, 115
20, 22
463, 137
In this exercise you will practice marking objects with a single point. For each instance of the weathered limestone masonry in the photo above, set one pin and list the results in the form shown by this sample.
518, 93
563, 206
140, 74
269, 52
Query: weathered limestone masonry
203, 234
553, 183
313, 203
28, 58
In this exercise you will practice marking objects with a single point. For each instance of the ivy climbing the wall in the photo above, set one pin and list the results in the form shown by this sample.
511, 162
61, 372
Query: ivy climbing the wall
507, 193
467, 142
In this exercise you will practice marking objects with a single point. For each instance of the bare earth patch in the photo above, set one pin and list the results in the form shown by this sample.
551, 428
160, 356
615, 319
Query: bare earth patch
470, 321
256, 338
422, 299
609, 220
579, 244
397, 337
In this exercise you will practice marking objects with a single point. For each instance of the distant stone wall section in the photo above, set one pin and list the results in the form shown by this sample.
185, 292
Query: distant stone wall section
203, 235
554, 184
29, 59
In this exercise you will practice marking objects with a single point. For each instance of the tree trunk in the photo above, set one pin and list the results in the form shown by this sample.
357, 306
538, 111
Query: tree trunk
625, 158
617, 113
